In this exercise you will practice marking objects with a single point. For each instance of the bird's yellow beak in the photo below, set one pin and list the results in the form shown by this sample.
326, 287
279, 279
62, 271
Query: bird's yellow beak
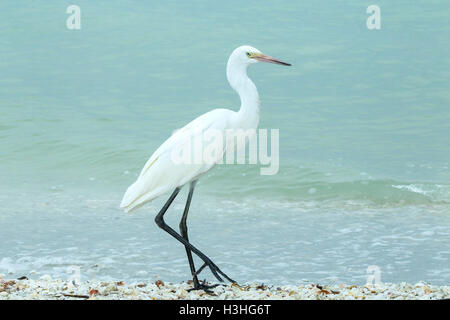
263, 58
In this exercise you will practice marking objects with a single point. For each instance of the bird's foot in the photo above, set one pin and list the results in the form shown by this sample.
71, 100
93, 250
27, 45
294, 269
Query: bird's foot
202, 285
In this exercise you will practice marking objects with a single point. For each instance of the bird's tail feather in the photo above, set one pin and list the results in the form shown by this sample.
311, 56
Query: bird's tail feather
135, 196
130, 200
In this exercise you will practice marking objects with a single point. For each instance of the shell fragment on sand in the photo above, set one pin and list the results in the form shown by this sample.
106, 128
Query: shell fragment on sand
51, 289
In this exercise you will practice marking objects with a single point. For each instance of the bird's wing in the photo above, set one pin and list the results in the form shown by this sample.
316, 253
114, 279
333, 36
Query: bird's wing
162, 174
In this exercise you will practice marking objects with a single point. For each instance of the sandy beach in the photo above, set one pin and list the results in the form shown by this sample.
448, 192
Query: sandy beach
47, 288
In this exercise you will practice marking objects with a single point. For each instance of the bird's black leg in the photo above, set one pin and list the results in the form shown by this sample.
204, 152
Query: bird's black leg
184, 234
161, 223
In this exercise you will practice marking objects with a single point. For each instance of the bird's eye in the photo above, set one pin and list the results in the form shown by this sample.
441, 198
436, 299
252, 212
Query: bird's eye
248, 54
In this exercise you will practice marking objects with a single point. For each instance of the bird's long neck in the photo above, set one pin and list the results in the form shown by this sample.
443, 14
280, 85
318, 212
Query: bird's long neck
248, 115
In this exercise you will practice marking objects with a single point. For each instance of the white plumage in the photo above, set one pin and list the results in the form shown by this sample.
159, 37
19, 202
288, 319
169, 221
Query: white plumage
161, 174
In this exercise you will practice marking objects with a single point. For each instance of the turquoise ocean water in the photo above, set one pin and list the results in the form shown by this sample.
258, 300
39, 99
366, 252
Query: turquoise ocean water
364, 124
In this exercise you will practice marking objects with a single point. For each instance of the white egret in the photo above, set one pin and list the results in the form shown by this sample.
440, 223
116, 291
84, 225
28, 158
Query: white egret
161, 175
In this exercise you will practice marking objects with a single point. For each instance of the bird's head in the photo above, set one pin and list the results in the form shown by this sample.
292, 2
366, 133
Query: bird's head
247, 55
239, 61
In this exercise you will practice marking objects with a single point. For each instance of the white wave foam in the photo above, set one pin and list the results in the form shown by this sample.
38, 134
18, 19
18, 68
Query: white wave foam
413, 188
